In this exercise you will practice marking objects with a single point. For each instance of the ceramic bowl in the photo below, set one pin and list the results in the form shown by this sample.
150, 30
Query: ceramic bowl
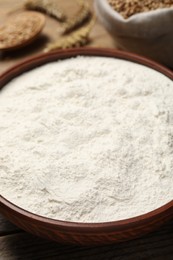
83, 233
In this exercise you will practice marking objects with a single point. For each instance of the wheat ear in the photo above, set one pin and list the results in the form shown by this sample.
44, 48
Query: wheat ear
75, 39
82, 16
46, 6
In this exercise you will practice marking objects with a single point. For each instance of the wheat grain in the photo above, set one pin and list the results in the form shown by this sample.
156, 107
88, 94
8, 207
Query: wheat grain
20, 29
128, 8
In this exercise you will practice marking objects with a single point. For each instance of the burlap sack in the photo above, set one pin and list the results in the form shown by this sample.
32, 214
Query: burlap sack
149, 34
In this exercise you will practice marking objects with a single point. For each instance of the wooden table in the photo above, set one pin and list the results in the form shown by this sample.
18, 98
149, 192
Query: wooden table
99, 37
17, 244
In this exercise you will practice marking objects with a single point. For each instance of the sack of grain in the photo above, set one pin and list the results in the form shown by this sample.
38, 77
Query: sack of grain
147, 33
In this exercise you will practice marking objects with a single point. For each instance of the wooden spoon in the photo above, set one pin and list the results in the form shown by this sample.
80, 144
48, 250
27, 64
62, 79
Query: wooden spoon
20, 30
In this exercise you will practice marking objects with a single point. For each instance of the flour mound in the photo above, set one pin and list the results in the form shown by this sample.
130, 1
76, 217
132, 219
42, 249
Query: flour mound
87, 139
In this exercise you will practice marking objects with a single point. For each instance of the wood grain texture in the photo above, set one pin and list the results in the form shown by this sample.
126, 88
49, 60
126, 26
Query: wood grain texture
6, 227
156, 246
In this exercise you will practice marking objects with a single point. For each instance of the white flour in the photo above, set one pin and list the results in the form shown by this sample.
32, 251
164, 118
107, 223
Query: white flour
87, 139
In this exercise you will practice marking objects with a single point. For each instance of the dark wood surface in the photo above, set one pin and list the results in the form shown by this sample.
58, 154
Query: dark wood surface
17, 244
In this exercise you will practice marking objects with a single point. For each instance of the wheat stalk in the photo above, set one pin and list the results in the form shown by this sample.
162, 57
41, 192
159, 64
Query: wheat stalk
47, 6
82, 15
75, 39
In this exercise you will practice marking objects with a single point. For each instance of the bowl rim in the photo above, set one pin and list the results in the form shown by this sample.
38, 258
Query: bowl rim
38, 60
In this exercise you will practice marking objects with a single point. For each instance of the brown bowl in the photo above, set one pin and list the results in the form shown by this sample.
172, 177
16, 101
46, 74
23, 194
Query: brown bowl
84, 233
